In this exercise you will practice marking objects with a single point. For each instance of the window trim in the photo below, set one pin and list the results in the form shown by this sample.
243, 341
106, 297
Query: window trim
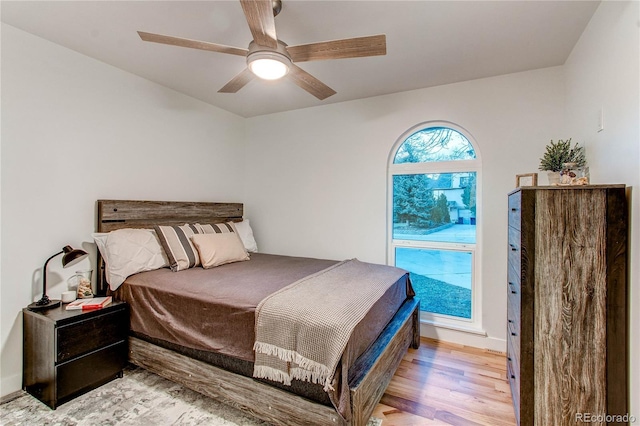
473, 325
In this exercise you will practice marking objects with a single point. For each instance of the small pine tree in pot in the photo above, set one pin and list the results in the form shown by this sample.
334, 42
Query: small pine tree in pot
559, 153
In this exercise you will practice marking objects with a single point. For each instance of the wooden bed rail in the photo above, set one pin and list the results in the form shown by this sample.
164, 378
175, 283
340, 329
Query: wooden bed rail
375, 368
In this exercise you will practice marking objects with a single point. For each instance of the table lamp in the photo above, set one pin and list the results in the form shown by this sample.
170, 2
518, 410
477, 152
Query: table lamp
71, 257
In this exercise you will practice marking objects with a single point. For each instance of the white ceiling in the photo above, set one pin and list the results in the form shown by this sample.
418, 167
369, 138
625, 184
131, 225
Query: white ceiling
429, 43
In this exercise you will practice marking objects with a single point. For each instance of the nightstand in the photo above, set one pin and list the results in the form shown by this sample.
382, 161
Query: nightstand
68, 353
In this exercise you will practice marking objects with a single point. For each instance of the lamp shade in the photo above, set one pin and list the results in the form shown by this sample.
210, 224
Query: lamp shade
71, 257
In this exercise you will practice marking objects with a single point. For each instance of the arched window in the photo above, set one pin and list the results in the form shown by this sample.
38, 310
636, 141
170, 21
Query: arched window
434, 194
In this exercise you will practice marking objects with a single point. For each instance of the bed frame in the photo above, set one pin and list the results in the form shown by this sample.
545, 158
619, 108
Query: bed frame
368, 378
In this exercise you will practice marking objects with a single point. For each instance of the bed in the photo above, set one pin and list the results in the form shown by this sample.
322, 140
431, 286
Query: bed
222, 370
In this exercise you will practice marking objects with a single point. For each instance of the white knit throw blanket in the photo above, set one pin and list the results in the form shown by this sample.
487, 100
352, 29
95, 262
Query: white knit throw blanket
303, 329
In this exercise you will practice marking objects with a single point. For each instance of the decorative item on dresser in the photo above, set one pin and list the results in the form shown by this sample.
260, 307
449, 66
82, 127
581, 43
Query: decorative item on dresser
528, 179
566, 332
69, 352
557, 154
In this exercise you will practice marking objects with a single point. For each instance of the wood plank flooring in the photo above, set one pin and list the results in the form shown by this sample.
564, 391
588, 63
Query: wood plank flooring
447, 384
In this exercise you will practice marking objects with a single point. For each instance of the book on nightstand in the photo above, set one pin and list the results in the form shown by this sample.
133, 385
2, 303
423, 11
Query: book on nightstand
89, 304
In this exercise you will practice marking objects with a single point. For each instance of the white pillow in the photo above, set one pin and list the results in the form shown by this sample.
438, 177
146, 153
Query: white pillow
129, 251
219, 249
246, 235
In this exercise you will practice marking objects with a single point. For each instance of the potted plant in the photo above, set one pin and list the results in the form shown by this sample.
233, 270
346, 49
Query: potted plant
557, 155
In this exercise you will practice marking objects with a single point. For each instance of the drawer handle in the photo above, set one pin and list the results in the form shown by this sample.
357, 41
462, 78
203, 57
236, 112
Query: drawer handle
513, 209
513, 377
511, 321
514, 292
509, 358
514, 334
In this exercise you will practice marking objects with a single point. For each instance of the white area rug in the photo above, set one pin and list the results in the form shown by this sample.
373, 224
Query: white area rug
140, 398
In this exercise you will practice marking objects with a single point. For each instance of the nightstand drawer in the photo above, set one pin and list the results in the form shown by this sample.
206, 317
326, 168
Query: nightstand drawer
91, 370
88, 335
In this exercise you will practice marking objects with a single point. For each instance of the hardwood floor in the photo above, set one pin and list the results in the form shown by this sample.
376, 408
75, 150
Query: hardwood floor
447, 384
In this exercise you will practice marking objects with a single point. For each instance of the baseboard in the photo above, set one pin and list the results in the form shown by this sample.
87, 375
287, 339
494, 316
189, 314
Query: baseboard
463, 338
11, 396
10, 387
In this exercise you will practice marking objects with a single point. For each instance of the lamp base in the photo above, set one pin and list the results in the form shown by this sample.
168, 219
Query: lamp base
38, 306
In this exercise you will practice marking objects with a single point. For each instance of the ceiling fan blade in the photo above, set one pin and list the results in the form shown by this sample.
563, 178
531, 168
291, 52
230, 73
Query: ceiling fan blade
237, 82
310, 83
194, 44
357, 47
259, 14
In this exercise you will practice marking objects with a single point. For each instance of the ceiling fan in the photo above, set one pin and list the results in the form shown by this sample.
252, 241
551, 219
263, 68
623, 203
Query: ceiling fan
270, 58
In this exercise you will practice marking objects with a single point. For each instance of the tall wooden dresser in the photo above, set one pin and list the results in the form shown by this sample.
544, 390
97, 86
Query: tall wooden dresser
567, 308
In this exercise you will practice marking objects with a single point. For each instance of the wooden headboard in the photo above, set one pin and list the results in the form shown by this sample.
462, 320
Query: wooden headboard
118, 214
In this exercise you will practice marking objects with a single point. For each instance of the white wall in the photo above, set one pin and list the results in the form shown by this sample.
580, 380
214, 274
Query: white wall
603, 72
75, 130
317, 178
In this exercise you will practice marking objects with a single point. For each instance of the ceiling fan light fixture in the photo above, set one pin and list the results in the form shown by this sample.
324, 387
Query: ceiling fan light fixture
268, 68
267, 63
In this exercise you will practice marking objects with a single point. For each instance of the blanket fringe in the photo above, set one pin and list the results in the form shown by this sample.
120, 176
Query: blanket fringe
309, 371
308, 376
273, 350
264, 372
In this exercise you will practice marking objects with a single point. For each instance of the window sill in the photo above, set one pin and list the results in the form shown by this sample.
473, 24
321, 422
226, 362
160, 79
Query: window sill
456, 327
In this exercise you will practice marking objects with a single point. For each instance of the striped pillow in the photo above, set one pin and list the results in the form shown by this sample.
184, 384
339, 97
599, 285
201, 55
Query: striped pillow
176, 242
216, 228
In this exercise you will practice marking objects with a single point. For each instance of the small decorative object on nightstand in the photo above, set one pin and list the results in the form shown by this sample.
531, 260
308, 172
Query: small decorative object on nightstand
71, 257
69, 352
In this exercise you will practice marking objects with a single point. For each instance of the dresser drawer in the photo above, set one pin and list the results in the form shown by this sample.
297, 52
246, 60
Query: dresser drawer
88, 335
513, 348
513, 314
515, 251
515, 210
513, 273
513, 376
514, 298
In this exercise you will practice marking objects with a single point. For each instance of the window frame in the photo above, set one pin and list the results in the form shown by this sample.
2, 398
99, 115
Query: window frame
473, 325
